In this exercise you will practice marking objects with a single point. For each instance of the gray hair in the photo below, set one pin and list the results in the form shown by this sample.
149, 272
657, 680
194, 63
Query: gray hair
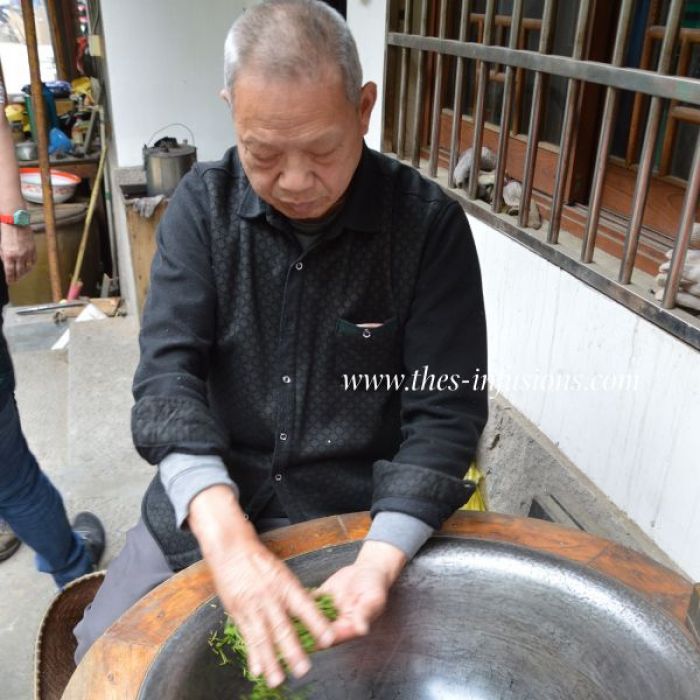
292, 39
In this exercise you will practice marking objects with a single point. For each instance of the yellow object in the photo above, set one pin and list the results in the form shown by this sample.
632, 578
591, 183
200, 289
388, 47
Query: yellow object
478, 500
14, 113
82, 86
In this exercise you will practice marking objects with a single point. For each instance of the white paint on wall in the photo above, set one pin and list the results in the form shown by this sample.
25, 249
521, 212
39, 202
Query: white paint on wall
367, 22
165, 64
639, 442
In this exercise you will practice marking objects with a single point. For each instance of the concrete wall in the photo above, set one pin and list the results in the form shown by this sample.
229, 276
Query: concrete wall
618, 396
165, 64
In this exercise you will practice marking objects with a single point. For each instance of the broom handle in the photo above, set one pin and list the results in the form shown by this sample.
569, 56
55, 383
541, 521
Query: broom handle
88, 219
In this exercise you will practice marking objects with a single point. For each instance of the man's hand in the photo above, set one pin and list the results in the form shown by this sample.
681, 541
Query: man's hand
360, 590
17, 251
257, 590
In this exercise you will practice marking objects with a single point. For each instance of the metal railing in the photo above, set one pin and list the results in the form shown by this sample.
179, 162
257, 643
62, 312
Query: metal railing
659, 85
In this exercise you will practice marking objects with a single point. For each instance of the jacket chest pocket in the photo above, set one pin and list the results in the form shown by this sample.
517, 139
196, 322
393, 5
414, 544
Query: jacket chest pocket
367, 350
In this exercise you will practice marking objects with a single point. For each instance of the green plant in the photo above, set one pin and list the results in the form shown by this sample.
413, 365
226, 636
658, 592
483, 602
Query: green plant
230, 646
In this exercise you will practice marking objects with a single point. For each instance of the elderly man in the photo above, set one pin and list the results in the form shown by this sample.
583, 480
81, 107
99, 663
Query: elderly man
299, 260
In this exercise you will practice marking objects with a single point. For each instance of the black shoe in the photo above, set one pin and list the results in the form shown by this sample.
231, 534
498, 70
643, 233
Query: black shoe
88, 526
9, 542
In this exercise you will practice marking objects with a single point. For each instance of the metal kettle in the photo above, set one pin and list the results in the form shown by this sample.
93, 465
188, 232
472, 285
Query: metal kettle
166, 163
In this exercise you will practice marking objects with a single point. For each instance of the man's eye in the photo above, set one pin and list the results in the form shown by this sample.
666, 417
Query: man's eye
264, 159
325, 154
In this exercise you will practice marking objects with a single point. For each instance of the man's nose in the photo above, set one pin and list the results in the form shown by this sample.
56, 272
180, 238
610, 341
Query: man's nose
296, 176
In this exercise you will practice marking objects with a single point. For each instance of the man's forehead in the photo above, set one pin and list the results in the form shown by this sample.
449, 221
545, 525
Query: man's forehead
267, 140
284, 81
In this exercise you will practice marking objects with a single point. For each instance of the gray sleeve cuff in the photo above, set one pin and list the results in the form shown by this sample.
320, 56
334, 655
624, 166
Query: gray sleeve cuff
184, 476
404, 531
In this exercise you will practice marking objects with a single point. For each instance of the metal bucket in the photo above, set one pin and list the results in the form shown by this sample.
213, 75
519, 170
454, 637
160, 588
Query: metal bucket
166, 165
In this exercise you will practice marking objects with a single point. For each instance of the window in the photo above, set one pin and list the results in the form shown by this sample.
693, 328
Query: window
554, 77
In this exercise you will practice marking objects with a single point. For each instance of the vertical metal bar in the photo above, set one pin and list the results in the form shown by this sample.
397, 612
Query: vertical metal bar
42, 139
519, 84
403, 82
480, 101
437, 97
459, 87
685, 229
569, 127
506, 109
418, 106
641, 189
608, 125
535, 115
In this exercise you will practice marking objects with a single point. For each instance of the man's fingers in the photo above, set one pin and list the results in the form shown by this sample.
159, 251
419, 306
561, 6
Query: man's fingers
287, 642
16, 267
360, 622
262, 660
344, 630
10, 271
370, 604
301, 605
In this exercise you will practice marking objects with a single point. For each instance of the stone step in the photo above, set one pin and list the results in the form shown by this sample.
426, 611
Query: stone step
105, 474
42, 385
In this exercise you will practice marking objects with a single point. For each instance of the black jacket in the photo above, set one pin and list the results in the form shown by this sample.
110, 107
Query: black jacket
245, 339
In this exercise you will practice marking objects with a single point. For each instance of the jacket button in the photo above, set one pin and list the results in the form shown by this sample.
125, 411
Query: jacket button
278, 477
299, 265
283, 436
287, 379
366, 333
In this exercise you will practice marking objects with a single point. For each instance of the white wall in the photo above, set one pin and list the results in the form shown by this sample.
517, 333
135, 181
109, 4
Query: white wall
367, 22
165, 64
641, 445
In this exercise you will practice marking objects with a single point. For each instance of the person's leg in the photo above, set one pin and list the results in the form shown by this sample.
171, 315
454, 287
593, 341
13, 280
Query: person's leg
32, 506
29, 502
136, 570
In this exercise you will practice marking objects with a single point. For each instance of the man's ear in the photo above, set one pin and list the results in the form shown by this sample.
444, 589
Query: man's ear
368, 98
